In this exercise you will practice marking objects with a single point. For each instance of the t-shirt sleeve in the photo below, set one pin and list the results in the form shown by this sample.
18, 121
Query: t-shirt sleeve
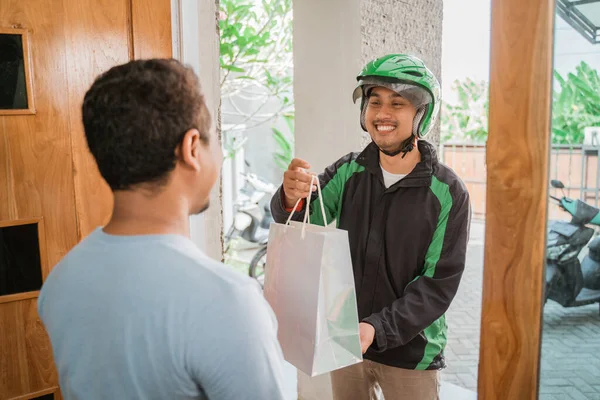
239, 356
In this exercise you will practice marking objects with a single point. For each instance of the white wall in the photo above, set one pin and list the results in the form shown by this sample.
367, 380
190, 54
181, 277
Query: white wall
332, 41
196, 43
327, 58
392, 26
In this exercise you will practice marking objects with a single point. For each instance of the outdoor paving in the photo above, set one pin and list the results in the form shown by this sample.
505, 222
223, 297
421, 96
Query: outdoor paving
570, 366
464, 317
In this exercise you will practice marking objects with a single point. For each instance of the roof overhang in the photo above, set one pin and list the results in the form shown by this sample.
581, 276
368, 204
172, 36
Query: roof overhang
583, 16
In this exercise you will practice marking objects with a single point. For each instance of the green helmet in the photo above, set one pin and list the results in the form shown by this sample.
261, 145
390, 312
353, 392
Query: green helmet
408, 76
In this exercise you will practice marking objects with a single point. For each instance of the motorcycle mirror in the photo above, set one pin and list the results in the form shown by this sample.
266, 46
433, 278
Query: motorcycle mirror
558, 185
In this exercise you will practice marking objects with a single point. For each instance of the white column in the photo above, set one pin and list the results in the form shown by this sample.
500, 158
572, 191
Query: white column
332, 41
327, 59
198, 45
404, 26
326, 62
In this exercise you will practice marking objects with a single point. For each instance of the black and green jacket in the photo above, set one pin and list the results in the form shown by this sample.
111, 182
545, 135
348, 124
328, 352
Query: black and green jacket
408, 245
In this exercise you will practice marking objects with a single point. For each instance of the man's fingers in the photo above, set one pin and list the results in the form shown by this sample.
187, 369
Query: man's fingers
305, 186
300, 186
296, 181
364, 346
294, 193
298, 176
298, 163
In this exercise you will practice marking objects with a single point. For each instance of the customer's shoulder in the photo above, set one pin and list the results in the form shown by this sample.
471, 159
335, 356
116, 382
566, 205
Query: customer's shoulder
208, 279
227, 295
225, 274
170, 261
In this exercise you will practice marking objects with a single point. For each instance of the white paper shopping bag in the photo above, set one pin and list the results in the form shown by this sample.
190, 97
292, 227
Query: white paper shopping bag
310, 286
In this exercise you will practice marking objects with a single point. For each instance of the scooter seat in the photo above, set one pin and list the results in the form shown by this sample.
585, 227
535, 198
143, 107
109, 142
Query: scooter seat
563, 228
587, 296
594, 253
595, 245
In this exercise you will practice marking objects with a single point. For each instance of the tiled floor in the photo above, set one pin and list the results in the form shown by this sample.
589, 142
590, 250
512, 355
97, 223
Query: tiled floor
570, 367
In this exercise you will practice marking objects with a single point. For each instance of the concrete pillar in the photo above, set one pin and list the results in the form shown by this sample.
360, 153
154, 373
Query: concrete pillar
196, 42
332, 41
326, 61
397, 26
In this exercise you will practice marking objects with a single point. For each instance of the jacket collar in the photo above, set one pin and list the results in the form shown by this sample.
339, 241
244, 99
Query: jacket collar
419, 176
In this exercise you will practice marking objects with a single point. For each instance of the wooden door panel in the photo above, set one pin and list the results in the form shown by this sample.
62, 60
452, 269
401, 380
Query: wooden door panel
42, 372
151, 29
110, 31
8, 206
27, 365
38, 146
46, 170
14, 375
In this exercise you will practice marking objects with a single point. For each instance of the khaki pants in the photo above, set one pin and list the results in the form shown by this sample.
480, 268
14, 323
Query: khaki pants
373, 381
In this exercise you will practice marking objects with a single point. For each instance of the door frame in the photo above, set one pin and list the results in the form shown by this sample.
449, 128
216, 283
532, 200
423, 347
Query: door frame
518, 147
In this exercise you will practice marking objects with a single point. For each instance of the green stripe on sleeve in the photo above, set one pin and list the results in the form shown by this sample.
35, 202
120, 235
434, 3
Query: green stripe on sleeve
333, 193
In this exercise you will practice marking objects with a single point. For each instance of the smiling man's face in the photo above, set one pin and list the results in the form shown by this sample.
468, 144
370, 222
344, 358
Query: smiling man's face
389, 118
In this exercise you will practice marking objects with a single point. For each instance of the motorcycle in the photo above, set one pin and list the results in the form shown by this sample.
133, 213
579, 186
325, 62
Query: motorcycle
252, 219
569, 281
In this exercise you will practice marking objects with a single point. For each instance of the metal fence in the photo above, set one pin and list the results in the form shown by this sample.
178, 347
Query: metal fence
577, 166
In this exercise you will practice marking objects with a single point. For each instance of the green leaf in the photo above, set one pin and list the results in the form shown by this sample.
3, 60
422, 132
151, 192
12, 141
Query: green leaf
289, 121
226, 49
281, 140
281, 161
242, 41
233, 68
242, 10
255, 36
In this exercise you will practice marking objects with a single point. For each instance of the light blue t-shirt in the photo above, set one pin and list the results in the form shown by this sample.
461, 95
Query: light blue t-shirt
152, 317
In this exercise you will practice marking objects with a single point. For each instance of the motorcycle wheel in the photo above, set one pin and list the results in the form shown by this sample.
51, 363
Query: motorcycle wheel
257, 266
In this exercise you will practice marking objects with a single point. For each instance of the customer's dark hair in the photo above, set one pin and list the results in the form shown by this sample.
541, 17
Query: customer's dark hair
136, 114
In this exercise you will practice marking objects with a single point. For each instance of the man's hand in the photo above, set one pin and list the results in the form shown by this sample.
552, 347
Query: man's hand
367, 335
296, 182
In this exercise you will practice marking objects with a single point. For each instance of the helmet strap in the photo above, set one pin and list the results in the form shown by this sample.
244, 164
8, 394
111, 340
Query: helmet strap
405, 147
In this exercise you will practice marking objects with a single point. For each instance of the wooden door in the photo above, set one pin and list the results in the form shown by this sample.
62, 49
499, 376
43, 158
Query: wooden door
48, 180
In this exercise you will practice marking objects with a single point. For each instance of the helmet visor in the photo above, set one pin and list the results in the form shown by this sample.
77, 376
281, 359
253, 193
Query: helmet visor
417, 95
